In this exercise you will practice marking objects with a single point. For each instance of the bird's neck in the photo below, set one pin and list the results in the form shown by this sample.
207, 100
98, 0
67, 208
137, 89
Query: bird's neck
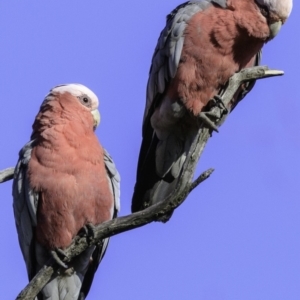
240, 31
248, 18
55, 120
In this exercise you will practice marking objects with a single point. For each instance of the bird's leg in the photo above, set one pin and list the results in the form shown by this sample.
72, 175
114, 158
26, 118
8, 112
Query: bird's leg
89, 230
218, 102
58, 255
206, 116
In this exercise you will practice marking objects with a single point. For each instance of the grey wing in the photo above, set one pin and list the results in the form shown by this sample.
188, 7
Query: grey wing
168, 51
25, 203
114, 180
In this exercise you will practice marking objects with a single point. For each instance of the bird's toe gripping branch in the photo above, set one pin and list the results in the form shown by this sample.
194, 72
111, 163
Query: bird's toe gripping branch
89, 231
212, 116
59, 255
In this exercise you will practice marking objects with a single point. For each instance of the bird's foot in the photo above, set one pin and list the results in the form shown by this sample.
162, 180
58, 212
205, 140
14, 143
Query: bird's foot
210, 117
217, 101
205, 117
89, 230
58, 255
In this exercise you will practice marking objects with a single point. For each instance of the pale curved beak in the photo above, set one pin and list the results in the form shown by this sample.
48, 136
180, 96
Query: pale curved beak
275, 28
96, 116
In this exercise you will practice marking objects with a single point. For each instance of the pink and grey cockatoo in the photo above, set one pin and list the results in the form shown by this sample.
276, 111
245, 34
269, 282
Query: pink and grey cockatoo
64, 183
203, 44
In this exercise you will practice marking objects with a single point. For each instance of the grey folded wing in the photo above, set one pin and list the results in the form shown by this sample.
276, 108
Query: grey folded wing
25, 202
114, 178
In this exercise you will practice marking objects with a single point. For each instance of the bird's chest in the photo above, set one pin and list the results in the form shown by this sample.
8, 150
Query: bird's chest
213, 51
73, 191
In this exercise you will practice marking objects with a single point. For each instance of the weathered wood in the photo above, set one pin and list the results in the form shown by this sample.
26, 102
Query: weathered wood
6, 174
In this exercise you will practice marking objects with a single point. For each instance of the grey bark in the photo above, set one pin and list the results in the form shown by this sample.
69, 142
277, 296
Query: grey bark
6, 174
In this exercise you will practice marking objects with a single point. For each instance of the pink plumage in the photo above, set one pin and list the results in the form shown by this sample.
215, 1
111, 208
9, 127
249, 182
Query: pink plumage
64, 181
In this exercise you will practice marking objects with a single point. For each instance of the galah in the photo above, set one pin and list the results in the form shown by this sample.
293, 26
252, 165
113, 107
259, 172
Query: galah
202, 45
65, 183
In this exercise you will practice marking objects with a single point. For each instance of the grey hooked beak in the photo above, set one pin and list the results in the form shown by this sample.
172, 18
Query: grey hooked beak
275, 28
96, 116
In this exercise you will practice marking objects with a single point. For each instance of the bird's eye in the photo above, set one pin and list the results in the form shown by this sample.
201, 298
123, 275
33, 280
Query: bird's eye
85, 100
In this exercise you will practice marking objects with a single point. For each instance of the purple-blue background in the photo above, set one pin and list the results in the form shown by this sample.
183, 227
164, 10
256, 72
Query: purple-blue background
237, 235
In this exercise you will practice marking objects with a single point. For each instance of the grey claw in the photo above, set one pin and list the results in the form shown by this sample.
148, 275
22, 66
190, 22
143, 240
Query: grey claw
216, 101
89, 231
56, 257
92, 230
219, 102
204, 117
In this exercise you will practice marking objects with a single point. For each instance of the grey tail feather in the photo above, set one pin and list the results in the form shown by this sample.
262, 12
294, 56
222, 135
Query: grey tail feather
146, 173
151, 188
90, 273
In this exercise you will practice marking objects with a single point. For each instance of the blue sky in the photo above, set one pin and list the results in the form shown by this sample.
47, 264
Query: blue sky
237, 235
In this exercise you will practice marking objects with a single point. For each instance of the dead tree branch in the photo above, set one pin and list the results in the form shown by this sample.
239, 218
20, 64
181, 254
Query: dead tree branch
155, 212
6, 174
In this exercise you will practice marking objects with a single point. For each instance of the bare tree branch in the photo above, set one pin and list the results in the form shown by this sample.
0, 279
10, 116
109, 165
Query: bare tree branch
155, 212
6, 174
